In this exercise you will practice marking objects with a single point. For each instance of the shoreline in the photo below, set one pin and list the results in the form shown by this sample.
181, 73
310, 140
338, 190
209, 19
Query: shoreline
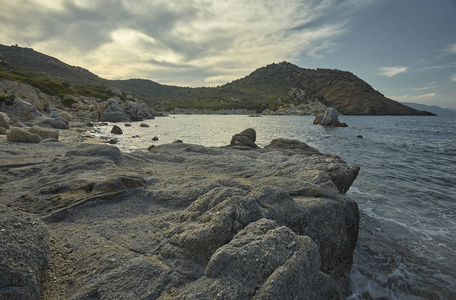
179, 205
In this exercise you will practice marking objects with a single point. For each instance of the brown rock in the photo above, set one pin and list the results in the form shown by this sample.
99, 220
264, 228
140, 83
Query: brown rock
21, 135
116, 130
45, 133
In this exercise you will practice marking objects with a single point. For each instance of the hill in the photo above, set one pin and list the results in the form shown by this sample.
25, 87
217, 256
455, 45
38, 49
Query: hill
279, 85
267, 89
442, 112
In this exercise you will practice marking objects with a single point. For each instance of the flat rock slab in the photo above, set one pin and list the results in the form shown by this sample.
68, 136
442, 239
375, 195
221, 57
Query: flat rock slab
162, 224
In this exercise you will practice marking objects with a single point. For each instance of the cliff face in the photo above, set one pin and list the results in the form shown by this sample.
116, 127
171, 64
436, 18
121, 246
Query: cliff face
349, 94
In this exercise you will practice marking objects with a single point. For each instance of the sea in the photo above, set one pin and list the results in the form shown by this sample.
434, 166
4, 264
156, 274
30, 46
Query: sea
405, 190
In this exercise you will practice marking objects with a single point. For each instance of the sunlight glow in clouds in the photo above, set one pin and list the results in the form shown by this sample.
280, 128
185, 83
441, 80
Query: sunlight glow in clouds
215, 41
392, 71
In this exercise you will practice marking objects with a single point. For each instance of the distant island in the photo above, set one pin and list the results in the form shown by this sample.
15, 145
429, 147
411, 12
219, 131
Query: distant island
278, 88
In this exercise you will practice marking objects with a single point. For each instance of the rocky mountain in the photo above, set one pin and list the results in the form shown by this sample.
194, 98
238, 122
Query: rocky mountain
281, 88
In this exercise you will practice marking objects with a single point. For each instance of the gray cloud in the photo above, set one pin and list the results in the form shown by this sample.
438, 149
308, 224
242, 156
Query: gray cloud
195, 42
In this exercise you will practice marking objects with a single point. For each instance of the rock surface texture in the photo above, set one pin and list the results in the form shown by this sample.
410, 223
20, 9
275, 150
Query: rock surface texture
24, 254
184, 221
329, 118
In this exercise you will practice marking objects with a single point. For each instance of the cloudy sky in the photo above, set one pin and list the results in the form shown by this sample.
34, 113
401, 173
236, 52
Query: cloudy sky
406, 49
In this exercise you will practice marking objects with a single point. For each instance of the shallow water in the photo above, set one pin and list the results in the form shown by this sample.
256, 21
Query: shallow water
406, 189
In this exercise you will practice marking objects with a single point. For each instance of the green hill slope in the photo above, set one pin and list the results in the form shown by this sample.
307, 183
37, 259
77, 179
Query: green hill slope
267, 88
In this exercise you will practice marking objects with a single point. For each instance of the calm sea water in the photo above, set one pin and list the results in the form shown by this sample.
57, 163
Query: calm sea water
406, 189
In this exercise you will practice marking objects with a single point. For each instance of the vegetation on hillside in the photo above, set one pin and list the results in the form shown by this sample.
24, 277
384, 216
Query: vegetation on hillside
52, 86
269, 87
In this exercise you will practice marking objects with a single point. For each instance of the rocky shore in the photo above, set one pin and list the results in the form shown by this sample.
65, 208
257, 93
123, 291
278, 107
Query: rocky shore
181, 221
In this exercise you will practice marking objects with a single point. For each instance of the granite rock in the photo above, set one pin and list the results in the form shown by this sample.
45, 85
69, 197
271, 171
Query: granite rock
242, 222
329, 118
4, 120
24, 254
21, 135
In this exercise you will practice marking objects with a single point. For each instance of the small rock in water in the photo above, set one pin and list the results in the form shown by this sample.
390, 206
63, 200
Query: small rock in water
329, 118
116, 130
113, 141
360, 136
178, 141
151, 147
155, 138
127, 125
144, 125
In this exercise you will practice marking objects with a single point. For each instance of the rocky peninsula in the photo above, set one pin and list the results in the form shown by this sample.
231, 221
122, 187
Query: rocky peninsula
82, 220
181, 221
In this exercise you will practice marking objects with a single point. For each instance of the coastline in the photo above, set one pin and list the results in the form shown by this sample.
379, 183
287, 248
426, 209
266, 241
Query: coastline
182, 210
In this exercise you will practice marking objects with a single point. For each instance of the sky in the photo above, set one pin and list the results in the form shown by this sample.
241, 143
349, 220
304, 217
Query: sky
406, 49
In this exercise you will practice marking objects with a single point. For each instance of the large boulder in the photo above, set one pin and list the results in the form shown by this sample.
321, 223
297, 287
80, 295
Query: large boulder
57, 122
21, 135
4, 120
329, 118
27, 93
263, 261
24, 254
114, 112
20, 110
138, 111
246, 138
45, 133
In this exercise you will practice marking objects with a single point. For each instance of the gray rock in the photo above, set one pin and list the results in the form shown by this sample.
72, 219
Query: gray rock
4, 120
45, 133
329, 118
20, 135
114, 112
20, 110
138, 111
110, 153
116, 130
24, 254
144, 125
246, 138
116, 91
187, 221
28, 94
58, 122
293, 145
263, 261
